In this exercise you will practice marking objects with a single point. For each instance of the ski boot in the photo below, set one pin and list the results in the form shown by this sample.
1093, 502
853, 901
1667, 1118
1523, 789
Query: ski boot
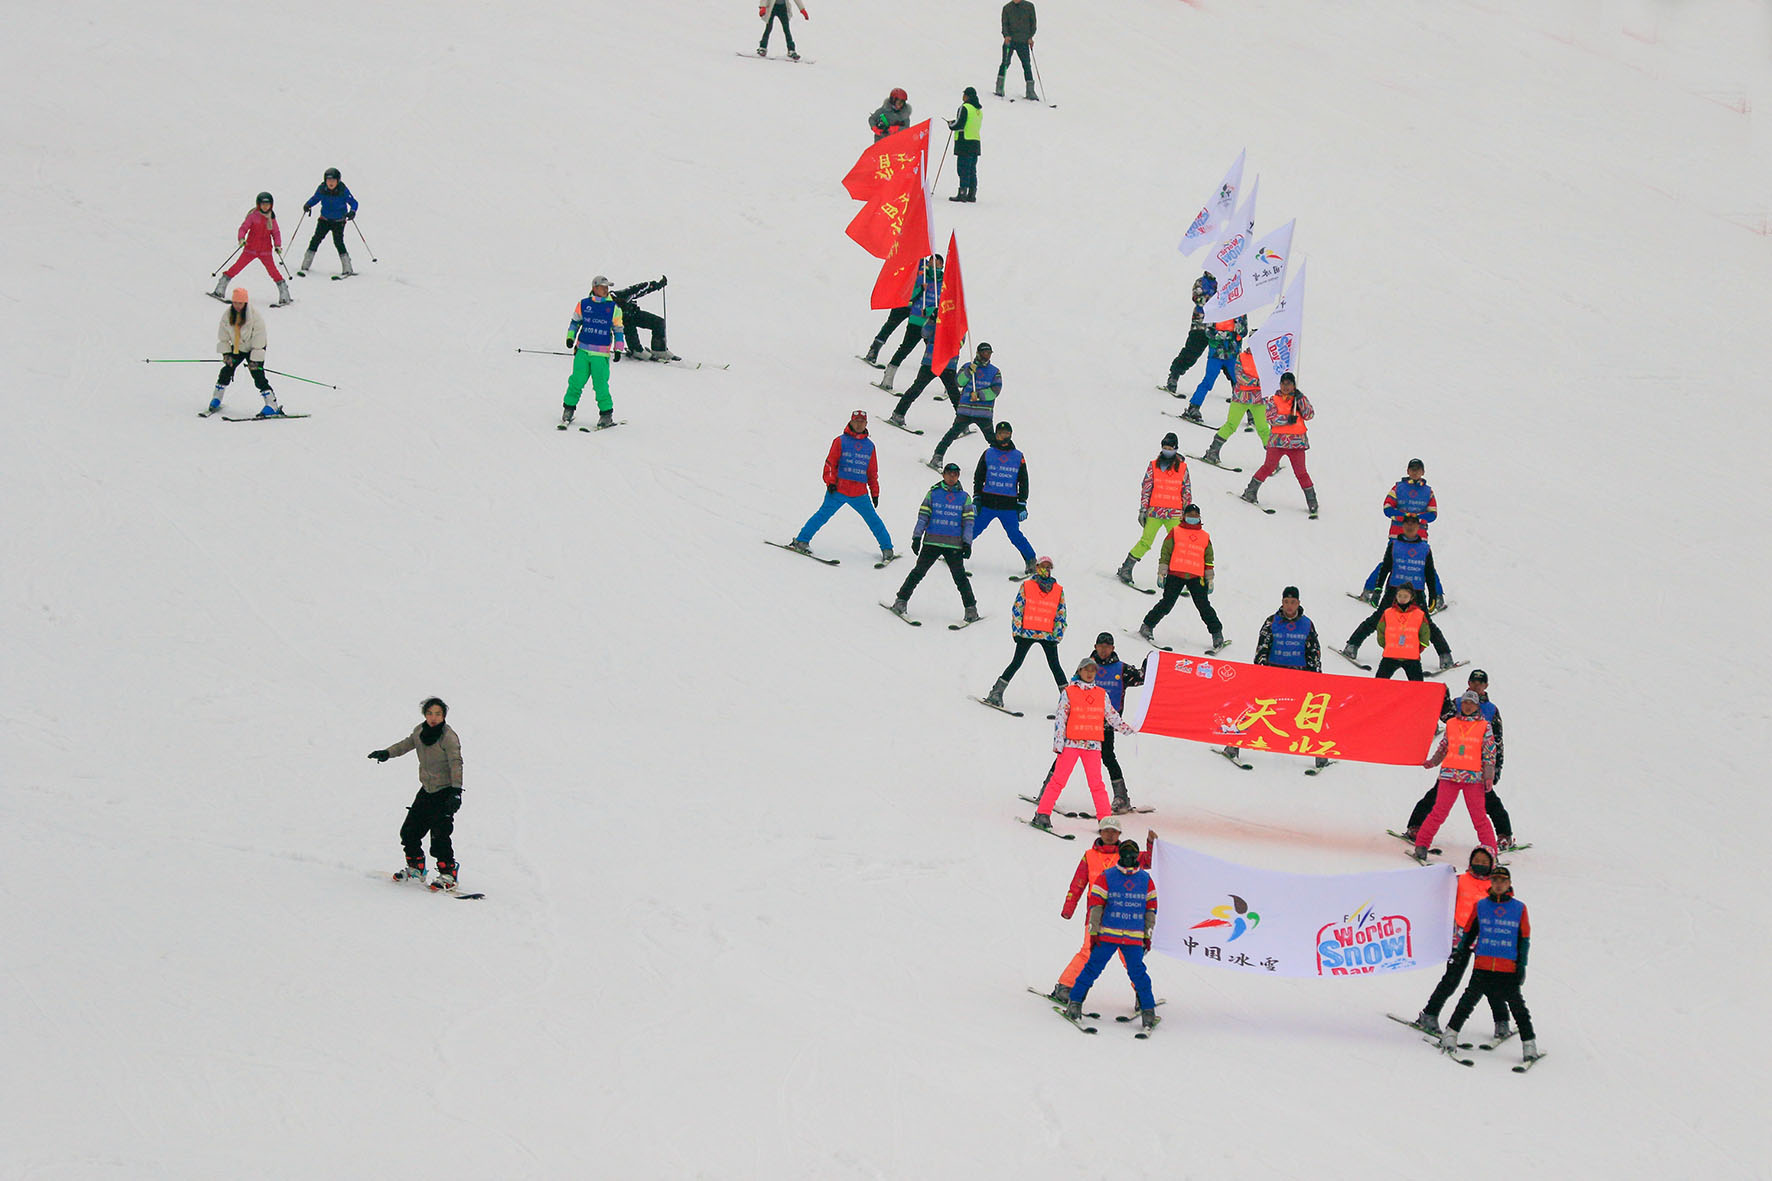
605, 418
271, 408
933, 463
898, 607
639, 354
1427, 1023
413, 873
873, 353
972, 615
1192, 414
1410, 834
345, 261
284, 299
1449, 1039
307, 263
1061, 993
1230, 752
1310, 502
762, 52
1252, 491
1148, 634
1122, 801
800, 547
1170, 386
886, 554
886, 376
1503, 844
1529, 1050
793, 56
1321, 763
566, 413
1420, 854
445, 879
1446, 662
1073, 1010
1124, 573
999, 90
1217, 640
1211, 455
1369, 596
1030, 93
1150, 1019
216, 397
1042, 820
995, 697
1502, 1030
661, 354
1351, 652
220, 292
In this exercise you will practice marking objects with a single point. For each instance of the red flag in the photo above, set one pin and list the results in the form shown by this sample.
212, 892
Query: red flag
899, 273
885, 218
890, 159
950, 313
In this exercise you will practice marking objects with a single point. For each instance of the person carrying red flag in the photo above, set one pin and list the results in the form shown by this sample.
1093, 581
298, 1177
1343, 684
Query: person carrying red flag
892, 115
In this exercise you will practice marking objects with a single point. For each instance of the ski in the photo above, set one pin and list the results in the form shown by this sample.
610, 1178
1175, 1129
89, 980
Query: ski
1133, 1016
1163, 389
587, 428
1220, 648
792, 61
884, 562
1406, 839
1313, 770
1490, 1045
792, 550
879, 386
1051, 832
1441, 610
1523, 1067
399, 881
1199, 423
1002, 709
906, 618
1144, 1034
262, 417
1129, 585
1456, 664
346, 275
1075, 1021
1351, 660
909, 430
1153, 643
1048, 997
966, 623
1057, 811
1251, 503
865, 361
1517, 848
1239, 764
1415, 1025
206, 412
1210, 463
218, 298
1452, 1054
1361, 598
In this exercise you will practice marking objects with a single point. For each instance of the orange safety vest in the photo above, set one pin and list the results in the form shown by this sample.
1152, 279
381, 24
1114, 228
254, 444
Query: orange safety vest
1088, 714
1246, 381
1470, 888
1284, 405
1039, 609
1225, 326
1402, 633
1188, 557
1464, 743
1167, 487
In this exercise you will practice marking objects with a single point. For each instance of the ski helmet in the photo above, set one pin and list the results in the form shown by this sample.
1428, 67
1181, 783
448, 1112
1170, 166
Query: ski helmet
332, 174
898, 93
265, 198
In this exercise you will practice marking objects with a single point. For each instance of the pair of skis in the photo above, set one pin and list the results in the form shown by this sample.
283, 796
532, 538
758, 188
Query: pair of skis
1435, 1042
953, 627
588, 427
880, 565
1123, 1018
1085, 815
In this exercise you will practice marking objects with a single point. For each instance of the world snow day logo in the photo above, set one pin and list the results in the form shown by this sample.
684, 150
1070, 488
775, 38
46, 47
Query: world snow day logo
1279, 351
1361, 943
1234, 915
1201, 220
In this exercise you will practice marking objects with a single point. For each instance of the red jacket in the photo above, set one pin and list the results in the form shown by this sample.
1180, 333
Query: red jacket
1098, 858
259, 232
851, 487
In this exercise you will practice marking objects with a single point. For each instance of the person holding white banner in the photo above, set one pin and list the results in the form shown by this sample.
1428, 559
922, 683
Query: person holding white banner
1077, 727
1287, 412
1473, 883
1246, 400
1205, 287
1122, 915
1223, 342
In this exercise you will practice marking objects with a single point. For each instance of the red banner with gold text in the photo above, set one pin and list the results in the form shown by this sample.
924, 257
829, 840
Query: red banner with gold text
892, 159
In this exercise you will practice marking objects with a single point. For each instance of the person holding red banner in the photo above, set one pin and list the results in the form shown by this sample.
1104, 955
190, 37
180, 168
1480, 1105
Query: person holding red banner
1187, 558
1167, 490
925, 299
851, 477
1116, 676
1504, 825
892, 115
980, 382
1288, 640
1287, 412
1403, 629
1097, 858
1083, 713
1037, 618
1407, 562
1466, 758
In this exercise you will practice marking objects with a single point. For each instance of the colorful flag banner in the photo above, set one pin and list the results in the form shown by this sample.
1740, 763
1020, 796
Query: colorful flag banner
950, 312
1237, 234
910, 245
891, 159
1256, 280
1209, 223
1275, 345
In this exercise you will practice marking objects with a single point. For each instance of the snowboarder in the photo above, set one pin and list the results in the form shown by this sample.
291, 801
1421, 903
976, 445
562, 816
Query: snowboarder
925, 299
1287, 412
1411, 494
1410, 564
1187, 558
1403, 629
892, 115
1407, 558
1224, 342
1167, 490
1019, 25
433, 809
925, 375
773, 11
943, 533
337, 206
1500, 935
595, 338
1473, 883
1246, 400
241, 337
1466, 758
1205, 287
980, 383
851, 477
1288, 640
965, 125
1037, 618
1084, 714
260, 237
1000, 484
1122, 915
1097, 857
1115, 676
1504, 825
634, 318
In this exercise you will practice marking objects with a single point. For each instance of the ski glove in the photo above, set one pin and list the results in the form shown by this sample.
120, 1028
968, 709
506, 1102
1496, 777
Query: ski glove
571, 345
454, 800
351, 216
663, 280
830, 489
380, 756
965, 549
1520, 976
916, 545
614, 355
1142, 518
1208, 581
1024, 513
876, 500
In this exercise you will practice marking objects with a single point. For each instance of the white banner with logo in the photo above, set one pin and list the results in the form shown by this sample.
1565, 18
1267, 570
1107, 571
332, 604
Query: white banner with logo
1266, 923
1256, 280
1275, 345
1209, 223
1235, 237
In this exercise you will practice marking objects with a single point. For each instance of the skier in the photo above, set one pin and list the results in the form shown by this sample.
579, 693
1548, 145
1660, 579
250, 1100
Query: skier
1466, 758
943, 533
1403, 628
925, 375
773, 11
1122, 915
894, 318
1411, 494
1246, 400
979, 383
967, 147
634, 318
1167, 490
851, 477
1037, 618
925, 299
1084, 713
595, 338
1473, 883
1287, 412
337, 206
1187, 558
1288, 640
892, 115
1407, 558
1205, 287
433, 809
259, 237
1019, 25
1000, 484
1504, 825
1224, 341
1115, 676
1096, 858
241, 337
1500, 934
1410, 565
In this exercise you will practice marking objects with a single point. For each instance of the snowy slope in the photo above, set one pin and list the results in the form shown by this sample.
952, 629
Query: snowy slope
757, 906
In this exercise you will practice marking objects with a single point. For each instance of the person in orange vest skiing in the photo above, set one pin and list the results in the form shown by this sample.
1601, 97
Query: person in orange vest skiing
1473, 883
1500, 936
1403, 629
1287, 412
1103, 853
1083, 711
1187, 559
1038, 618
1246, 400
1167, 490
1466, 758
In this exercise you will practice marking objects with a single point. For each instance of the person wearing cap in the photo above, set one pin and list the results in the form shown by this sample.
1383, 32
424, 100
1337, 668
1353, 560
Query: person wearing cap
241, 337
1019, 25
1115, 676
965, 125
1246, 400
1224, 341
1205, 287
634, 317
1083, 713
1104, 852
851, 477
1408, 557
1037, 618
595, 337
337, 206
979, 382
1504, 825
893, 115
1122, 916
1162, 499
943, 533
1403, 630
1287, 412
1466, 758
1000, 484
925, 299
1473, 883
1187, 561
1411, 494
1288, 640
925, 375
1499, 935
773, 10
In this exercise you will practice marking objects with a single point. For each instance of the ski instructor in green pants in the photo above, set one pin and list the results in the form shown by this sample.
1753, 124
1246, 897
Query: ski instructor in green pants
595, 339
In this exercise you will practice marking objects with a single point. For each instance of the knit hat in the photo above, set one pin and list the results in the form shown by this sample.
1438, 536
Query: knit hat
239, 295
952, 467
1105, 638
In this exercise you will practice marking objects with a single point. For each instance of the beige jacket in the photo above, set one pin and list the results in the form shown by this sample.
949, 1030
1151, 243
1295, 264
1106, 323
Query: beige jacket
439, 765
242, 338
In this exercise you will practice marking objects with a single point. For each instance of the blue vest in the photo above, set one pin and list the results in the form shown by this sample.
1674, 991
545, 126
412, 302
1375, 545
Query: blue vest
596, 328
1287, 643
1487, 709
1126, 900
1498, 931
978, 389
1412, 498
1002, 471
1112, 677
947, 512
1409, 563
853, 463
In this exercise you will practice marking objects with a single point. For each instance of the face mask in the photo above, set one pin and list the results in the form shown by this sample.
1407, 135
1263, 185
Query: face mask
1191, 520
1480, 871
1168, 453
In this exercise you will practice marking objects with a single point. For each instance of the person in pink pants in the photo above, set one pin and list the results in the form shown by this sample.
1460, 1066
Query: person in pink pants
1084, 713
1287, 412
259, 237
1466, 758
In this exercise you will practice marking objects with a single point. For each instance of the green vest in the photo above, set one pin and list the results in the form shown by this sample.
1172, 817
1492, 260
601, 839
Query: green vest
969, 129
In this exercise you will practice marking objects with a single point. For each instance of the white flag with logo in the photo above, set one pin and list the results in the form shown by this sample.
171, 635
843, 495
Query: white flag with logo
1209, 223
1256, 280
1275, 345
1261, 922
1235, 237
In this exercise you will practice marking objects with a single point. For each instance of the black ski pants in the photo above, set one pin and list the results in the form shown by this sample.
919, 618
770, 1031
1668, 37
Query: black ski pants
1022, 644
1108, 761
325, 226
1370, 625
1173, 586
894, 318
1504, 825
962, 422
777, 12
231, 361
924, 377
431, 812
633, 319
1497, 986
1390, 664
1018, 49
1190, 352
927, 558
1455, 966
913, 332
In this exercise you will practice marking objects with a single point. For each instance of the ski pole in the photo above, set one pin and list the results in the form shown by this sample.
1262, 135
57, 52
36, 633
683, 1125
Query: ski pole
1044, 97
296, 235
939, 163
238, 246
181, 360
309, 380
546, 352
365, 241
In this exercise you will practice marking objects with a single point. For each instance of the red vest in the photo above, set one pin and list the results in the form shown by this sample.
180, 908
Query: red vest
1464, 743
1039, 609
1088, 715
1188, 557
1402, 633
1167, 486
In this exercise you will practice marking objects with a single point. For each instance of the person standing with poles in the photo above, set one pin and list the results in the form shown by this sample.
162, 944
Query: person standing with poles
337, 206
980, 382
943, 533
241, 337
1084, 713
1019, 25
1187, 556
259, 238
1287, 412
1122, 916
772, 11
595, 337
1037, 618
1500, 935
433, 809
965, 125
1164, 496
851, 477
